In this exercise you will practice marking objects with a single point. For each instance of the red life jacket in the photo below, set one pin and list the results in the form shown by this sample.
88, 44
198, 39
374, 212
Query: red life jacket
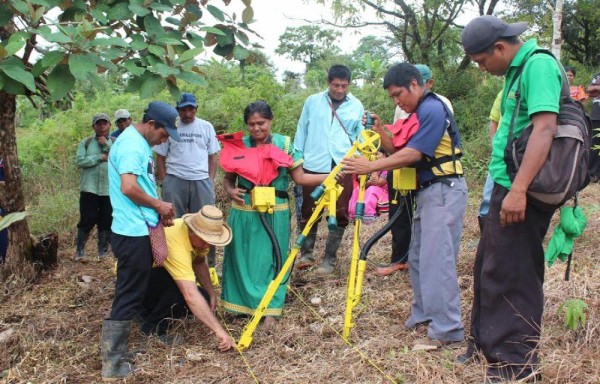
403, 129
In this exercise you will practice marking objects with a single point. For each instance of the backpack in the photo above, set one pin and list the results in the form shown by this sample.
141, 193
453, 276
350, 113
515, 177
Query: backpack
566, 169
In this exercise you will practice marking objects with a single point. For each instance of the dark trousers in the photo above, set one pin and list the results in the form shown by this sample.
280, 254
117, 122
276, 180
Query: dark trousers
402, 228
163, 302
508, 297
595, 155
308, 204
134, 263
94, 210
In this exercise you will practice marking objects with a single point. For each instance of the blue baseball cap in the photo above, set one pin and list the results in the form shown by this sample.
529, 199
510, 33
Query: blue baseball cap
425, 72
164, 115
187, 100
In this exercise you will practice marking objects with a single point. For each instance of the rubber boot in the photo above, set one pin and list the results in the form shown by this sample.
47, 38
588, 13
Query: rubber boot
113, 349
307, 258
481, 221
333, 243
103, 237
82, 237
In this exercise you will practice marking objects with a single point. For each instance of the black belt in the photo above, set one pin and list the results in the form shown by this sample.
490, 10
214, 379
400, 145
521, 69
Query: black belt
441, 179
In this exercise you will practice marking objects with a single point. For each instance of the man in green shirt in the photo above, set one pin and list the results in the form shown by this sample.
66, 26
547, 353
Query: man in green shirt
94, 203
509, 266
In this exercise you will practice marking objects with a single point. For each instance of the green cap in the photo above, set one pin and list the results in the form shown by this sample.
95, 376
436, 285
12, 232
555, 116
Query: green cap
425, 72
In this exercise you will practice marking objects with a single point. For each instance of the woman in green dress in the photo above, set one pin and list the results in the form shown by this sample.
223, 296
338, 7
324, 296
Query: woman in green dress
248, 265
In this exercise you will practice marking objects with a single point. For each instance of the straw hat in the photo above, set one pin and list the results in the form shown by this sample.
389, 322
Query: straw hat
208, 224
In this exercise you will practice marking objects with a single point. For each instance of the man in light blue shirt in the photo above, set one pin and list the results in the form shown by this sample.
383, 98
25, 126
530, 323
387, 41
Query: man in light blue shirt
329, 124
136, 206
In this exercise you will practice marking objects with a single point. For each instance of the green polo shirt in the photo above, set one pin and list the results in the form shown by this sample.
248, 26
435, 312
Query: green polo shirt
540, 92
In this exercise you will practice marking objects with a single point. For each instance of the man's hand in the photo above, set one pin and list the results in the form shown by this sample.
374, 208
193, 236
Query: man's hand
225, 341
513, 208
237, 195
357, 165
101, 140
104, 157
166, 212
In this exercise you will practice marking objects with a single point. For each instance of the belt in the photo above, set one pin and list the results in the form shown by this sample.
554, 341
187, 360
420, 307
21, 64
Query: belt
280, 194
441, 179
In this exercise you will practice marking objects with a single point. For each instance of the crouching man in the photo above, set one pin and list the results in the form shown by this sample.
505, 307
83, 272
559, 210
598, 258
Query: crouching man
173, 289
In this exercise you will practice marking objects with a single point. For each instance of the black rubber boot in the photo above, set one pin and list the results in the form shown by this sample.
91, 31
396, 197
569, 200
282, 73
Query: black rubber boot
82, 237
333, 244
113, 349
306, 250
103, 238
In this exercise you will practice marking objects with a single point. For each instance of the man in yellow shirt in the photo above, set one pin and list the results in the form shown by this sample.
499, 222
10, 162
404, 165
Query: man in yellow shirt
173, 288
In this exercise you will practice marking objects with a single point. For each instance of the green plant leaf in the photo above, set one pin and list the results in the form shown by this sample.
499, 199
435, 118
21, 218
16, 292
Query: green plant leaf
60, 82
81, 65
119, 11
161, 7
196, 40
12, 218
58, 37
20, 75
152, 26
11, 86
163, 70
134, 84
52, 58
216, 12
247, 15
15, 43
168, 40
152, 85
137, 7
192, 78
6, 14
99, 15
190, 54
157, 50
240, 53
132, 68
213, 30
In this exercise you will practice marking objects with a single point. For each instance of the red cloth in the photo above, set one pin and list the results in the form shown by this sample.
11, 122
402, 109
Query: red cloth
257, 164
403, 129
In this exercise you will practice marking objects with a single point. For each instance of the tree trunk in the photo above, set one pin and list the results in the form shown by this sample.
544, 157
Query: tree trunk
11, 195
557, 12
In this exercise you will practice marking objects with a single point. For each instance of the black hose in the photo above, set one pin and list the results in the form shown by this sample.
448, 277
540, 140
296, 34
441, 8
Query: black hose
379, 234
276, 249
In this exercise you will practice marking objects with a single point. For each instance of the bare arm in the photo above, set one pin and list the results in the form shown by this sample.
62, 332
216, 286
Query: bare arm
400, 159
132, 190
201, 310
213, 162
236, 194
593, 90
302, 178
538, 146
386, 139
493, 128
161, 167
203, 277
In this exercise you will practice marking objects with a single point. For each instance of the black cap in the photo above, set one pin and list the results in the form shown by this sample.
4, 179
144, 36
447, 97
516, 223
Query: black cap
165, 115
483, 31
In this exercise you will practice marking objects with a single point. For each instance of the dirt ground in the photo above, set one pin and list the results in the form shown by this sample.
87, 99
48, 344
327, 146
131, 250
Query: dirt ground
53, 326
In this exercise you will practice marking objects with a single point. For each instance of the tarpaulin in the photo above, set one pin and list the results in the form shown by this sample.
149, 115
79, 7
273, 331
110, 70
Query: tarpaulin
257, 164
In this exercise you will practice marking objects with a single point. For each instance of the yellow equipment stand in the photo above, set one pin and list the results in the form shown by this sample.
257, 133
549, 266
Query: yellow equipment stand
404, 179
325, 197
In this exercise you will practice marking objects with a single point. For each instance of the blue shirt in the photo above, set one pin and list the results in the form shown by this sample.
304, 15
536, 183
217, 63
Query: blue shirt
433, 141
116, 133
320, 136
131, 154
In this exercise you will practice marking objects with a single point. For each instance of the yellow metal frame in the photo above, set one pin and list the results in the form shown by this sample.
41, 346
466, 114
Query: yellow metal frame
368, 145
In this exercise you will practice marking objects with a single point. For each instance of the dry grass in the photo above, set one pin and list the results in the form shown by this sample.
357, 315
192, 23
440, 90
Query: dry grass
56, 325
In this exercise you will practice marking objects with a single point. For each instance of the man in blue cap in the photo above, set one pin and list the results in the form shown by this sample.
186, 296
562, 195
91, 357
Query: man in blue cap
508, 275
187, 168
136, 206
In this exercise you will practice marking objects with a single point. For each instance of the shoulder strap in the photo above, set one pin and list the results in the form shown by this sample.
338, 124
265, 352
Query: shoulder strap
88, 141
338, 119
452, 128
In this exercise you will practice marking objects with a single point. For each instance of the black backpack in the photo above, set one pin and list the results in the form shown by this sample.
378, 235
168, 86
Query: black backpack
566, 169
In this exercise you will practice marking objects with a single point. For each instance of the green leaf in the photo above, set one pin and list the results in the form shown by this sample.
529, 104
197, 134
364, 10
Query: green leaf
226, 39
246, 2
38, 68
132, 68
138, 45
99, 15
196, 40
11, 86
163, 70
81, 65
134, 84
241, 36
137, 7
161, 7
157, 50
194, 9
6, 14
20, 6
240, 53
60, 82
52, 58
58, 37
190, 54
15, 43
174, 90
152, 25
20, 75
223, 50
152, 85
168, 40
120, 11
214, 30
247, 15
216, 12
192, 78
12, 218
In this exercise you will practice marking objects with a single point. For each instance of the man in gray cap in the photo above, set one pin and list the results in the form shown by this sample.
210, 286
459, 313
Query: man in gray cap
122, 120
136, 208
94, 203
509, 266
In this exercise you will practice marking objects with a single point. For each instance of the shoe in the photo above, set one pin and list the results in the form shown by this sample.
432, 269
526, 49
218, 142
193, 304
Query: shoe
325, 268
427, 344
391, 268
103, 241
304, 263
113, 349
82, 237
